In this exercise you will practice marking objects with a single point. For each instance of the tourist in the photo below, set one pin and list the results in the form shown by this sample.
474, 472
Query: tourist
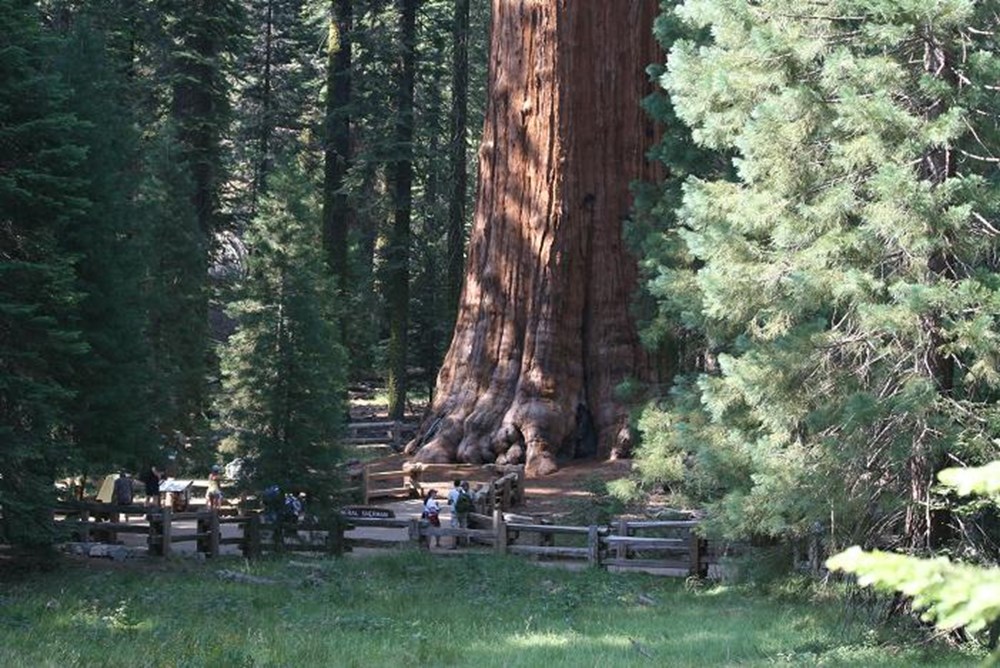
432, 513
121, 493
151, 479
213, 497
452, 498
461, 508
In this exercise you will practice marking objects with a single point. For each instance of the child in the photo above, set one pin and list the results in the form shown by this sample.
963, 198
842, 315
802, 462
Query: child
432, 511
214, 494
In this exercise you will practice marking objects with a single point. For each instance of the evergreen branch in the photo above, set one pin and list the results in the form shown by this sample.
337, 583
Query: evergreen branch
985, 223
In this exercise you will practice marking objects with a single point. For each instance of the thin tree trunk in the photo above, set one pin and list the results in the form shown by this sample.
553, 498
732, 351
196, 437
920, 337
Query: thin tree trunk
398, 252
336, 208
924, 526
544, 335
457, 150
267, 123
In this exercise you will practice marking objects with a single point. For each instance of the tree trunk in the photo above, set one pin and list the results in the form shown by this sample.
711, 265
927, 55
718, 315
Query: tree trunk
337, 144
543, 334
457, 151
398, 251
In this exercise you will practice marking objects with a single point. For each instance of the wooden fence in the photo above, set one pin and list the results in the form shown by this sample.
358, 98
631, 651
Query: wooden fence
676, 549
493, 487
669, 547
164, 529
391, 433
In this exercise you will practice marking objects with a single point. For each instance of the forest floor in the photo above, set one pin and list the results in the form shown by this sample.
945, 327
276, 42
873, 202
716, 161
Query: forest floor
565, 493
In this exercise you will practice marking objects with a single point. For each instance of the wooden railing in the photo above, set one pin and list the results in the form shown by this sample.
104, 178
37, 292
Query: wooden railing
392, 433
617, 547
494, 487
675, 548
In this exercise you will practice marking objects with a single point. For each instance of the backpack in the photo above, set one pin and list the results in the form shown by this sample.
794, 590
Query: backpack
464, 504
292, 509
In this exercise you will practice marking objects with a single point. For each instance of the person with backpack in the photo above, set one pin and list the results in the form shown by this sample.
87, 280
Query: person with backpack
461, 509
432, 512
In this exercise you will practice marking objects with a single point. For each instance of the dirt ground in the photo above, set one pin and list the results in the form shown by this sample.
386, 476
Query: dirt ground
557, 494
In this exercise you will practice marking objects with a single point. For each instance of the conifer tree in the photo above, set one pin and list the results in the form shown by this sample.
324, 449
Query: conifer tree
283, 370
112, 417
397, 281
41, 190
849, 271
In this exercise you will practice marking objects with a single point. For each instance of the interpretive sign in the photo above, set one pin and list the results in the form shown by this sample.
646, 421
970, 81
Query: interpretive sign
373, 512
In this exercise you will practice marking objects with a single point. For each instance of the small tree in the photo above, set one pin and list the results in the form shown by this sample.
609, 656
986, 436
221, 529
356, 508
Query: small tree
283, 370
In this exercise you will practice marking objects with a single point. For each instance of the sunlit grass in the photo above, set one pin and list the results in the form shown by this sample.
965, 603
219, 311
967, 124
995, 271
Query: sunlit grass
413, 609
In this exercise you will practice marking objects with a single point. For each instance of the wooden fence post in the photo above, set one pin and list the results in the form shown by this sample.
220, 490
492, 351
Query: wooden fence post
505, 494
396, 435
155, 536
202, 529
500, 527
593, 546
365, 483
214, 535
621, 549
85, 526
166, 532
335, 542
414, 533
694, 553
251, 537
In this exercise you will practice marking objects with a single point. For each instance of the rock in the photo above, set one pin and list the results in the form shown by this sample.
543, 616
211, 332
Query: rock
235, 576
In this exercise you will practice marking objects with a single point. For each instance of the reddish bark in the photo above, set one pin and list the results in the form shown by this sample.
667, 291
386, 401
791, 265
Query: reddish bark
543, 334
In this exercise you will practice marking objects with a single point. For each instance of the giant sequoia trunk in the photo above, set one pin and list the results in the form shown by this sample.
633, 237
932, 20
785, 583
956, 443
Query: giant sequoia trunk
543, 334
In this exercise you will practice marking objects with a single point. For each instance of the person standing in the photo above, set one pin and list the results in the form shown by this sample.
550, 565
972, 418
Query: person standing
461, 508
121, 493
432, 513
151, 479
452, 497
213, 497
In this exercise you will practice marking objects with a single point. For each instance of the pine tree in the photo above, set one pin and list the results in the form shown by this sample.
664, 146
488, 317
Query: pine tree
112, 417
850, 269
283, 370
397, 281
276, 92
41, 191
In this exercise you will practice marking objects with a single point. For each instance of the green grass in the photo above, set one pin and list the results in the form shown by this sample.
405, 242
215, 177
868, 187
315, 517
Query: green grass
413, 609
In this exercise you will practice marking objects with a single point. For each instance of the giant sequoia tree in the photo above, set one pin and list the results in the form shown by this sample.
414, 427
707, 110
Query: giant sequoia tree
543, 334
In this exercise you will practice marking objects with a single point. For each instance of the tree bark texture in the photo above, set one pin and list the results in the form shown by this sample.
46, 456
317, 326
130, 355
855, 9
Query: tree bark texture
337, 142
543, 334
457, 150
398, 251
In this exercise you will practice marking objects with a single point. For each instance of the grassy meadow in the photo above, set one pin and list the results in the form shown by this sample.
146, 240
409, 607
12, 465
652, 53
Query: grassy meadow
409, 608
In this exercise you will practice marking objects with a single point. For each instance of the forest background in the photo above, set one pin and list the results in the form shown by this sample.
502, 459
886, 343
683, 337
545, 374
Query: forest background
213, 215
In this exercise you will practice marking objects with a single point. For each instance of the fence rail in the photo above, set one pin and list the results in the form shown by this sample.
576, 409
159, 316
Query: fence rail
391, 433
497, 487
676, 549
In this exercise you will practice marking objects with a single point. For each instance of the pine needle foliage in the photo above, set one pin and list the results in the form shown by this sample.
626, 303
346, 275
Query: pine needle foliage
283, 370
847, 275
40, 192
952, 595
